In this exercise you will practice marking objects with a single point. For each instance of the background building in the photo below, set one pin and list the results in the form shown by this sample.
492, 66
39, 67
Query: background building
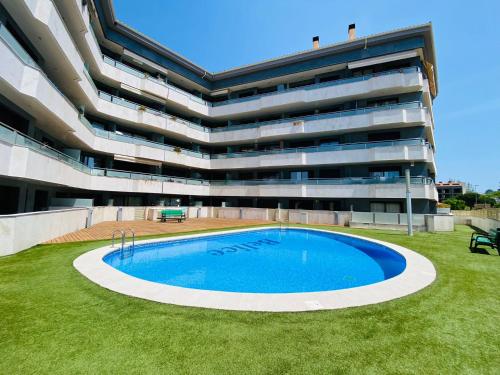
450, 189
91, 109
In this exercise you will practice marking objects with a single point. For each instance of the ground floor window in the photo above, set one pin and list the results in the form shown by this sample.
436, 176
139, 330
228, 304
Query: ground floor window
394, 207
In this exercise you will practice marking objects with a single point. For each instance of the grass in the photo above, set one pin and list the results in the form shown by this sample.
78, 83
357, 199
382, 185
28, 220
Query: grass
54, 321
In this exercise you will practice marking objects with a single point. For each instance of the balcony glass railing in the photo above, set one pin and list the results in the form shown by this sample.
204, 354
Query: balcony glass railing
322, 116
145, 142
147, 176
123, 67
325, 148
312, 86
139, 107
24, 56
365, 77
9, 39
350, 112
416, 180
12, 136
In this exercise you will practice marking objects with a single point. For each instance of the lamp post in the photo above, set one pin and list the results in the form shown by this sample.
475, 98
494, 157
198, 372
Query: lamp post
409, 210
475, 191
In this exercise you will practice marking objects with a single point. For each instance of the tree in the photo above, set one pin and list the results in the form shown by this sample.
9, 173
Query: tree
470, 198
456, 204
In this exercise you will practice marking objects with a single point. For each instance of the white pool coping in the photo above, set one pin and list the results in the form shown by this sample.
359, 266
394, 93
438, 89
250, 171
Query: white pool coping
418, 274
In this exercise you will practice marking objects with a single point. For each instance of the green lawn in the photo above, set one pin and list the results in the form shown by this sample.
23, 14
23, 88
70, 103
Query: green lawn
54, 321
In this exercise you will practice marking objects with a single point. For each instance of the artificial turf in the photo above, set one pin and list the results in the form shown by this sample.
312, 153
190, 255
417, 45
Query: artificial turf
55, 321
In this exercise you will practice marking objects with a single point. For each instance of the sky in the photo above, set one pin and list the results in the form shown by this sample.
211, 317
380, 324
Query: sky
222, 34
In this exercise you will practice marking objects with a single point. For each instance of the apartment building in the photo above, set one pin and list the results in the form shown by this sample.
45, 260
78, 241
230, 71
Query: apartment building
92, 109
450, 189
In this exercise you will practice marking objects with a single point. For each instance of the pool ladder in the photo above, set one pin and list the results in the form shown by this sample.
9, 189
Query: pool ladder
284, 224
129, 250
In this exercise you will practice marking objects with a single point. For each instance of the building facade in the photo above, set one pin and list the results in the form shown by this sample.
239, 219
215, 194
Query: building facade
450, 189
92, 109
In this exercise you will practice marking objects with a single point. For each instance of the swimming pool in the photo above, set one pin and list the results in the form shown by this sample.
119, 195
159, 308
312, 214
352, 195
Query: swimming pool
261, 269
262, 261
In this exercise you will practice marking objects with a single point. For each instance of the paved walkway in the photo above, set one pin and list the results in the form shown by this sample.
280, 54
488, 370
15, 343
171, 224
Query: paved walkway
104, 230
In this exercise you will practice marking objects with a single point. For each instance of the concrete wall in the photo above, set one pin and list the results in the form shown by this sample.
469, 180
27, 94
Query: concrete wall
439, 223
487, 213
110, 213
479, 222
22, 231
399, 221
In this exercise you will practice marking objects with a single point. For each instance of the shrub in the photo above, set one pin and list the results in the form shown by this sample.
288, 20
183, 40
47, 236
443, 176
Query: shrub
456, 204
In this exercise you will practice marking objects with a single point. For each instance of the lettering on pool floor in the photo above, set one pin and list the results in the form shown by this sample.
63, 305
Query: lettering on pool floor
246, 246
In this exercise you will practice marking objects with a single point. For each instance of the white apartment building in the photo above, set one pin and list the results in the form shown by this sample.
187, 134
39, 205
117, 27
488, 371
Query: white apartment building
92, 109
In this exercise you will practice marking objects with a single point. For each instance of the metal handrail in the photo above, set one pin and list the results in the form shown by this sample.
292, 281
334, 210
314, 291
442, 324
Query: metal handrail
130, 247
133, 235
113, 237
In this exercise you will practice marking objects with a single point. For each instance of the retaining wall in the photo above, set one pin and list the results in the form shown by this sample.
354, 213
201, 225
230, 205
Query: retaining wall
22, 231
478, 222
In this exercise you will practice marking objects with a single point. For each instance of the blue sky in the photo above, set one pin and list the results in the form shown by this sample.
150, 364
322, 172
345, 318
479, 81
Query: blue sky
222, 34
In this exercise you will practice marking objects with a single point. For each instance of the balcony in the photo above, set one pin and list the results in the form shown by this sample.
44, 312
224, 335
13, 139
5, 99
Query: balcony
412, 77
404, 114
135, 72
26, 158
396, 151
313, 86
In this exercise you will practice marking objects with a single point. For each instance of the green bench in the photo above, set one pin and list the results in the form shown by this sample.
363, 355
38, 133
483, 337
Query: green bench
178, 215
492, 239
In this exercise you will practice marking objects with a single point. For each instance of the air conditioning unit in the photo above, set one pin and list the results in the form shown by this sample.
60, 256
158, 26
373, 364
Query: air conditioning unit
298, 123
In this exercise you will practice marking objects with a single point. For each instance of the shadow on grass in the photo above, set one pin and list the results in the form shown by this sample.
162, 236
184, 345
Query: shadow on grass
480, 251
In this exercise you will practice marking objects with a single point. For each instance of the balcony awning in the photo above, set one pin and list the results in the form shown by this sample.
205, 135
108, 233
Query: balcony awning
382, 59
133, 159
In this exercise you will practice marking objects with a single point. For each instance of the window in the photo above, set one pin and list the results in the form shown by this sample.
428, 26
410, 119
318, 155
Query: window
392, 207
385, 136
265, 90
293, 85
246, 94
329, 78
298, 176
382, 102
384, 171
377, 207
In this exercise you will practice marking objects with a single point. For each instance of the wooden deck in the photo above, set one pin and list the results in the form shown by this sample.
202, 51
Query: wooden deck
105, 229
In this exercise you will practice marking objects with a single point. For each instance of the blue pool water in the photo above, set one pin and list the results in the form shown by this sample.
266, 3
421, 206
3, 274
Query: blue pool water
262, 261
